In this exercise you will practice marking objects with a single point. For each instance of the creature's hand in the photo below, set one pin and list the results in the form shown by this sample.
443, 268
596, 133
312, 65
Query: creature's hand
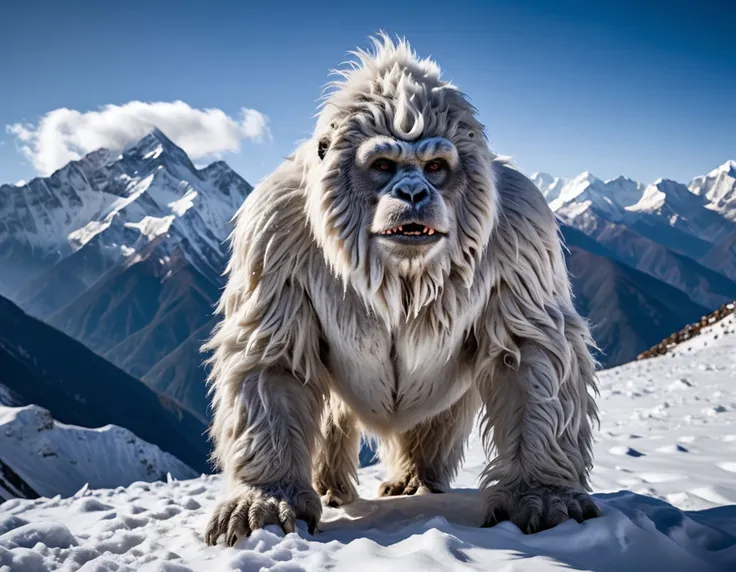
252, 507
534, 509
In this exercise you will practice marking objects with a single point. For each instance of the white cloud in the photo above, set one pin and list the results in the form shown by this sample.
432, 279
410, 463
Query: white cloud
64, 134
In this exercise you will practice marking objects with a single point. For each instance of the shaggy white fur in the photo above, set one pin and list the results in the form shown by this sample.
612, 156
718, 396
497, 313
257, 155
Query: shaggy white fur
394, 276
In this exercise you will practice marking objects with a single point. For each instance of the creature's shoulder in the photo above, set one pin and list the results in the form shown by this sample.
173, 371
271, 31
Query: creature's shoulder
277, 199
271, 229
524, 214
526, 247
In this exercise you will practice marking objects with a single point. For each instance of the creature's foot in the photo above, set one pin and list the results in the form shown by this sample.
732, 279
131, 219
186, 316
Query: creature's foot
409, 484
336, 495
534, 509
253, 507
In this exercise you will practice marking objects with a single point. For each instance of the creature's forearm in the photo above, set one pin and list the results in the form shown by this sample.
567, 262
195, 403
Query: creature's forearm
538, 414
266, 434
538, 421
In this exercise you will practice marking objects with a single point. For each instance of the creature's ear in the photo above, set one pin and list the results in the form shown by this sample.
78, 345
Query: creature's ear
322, 147
324, 143
462, 126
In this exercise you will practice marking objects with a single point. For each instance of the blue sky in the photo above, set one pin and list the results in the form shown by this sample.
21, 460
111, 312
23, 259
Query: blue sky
645, 89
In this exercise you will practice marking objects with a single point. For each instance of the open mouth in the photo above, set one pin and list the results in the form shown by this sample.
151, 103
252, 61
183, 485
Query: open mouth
412, 233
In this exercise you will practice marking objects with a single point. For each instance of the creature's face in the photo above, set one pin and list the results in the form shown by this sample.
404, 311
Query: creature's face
400, 188
408, 191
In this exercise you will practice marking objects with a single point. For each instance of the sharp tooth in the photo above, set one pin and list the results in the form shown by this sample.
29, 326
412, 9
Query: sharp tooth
401, 228
430, 232
425, 230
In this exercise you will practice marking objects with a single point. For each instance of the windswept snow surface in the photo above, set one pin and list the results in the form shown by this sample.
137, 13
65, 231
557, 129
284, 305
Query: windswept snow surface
665, 477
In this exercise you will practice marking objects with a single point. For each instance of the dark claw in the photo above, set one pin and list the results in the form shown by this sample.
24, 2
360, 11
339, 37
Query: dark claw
575, 511
411, 489
590, 509
213, 531
312, 527
498, 514
557, 513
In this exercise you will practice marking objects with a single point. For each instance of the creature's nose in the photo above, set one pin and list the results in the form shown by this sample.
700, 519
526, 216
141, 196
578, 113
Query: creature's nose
412, 192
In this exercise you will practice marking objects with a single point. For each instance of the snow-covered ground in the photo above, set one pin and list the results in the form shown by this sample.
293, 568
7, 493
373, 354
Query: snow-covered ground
665, 477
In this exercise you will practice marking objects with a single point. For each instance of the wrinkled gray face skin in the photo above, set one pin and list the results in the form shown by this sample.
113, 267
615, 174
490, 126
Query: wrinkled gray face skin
413, 186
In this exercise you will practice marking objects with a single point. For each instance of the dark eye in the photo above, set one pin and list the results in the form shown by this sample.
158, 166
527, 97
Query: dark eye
383, 165
435, 166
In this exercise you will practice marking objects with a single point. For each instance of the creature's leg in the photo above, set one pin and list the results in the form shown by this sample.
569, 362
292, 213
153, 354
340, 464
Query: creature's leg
265, 436
427, 457
537, 418
336, 462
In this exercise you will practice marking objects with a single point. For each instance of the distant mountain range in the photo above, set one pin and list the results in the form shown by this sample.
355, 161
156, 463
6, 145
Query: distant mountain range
682, 236
125, 252
644, 226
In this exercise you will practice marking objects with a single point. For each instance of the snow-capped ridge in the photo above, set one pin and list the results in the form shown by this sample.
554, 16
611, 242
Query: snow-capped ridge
667, 194
571, 198
54, 458
705, 326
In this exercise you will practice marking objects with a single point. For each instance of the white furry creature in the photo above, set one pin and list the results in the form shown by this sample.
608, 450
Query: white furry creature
394, 276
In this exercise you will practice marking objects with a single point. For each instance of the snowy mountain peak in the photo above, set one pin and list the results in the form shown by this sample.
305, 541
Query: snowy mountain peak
664, 183
586, 176
729, 168
151, 186
583, 192
157, 146
719, 188
549, 185
665, 193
